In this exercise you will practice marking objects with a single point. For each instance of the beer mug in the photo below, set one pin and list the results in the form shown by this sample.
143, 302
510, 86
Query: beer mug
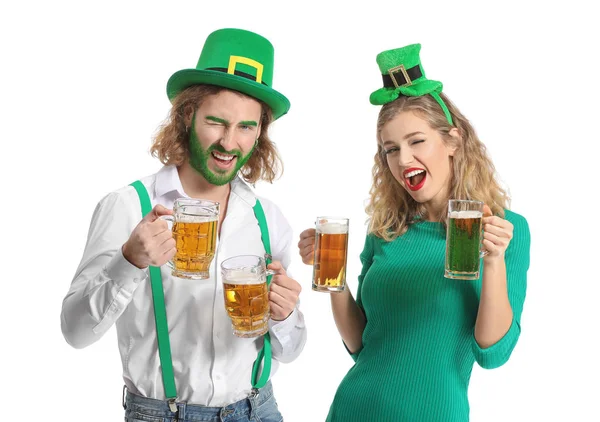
195, 233
246, 294
464, 237
331, 250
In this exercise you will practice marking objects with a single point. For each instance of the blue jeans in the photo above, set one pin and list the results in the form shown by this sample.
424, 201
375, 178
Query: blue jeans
262, 408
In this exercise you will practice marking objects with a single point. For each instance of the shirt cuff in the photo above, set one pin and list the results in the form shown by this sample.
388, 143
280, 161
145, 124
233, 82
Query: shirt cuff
284, 330
285, 326
124, 273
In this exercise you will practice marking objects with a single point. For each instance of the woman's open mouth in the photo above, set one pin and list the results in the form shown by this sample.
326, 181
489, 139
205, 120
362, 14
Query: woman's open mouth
414, 178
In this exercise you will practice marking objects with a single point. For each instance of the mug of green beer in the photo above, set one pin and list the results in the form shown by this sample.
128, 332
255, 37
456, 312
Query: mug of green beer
464, 238
331, 251
246, 294
195, 233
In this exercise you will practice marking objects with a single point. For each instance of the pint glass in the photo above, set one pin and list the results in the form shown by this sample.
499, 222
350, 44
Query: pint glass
331, 250
464, 238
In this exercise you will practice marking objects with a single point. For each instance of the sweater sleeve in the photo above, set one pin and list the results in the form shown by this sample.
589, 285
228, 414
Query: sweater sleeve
517, 264
366, 258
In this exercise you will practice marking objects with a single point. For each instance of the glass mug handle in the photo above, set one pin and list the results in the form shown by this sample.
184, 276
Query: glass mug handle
268, 272
482, 251
170, 219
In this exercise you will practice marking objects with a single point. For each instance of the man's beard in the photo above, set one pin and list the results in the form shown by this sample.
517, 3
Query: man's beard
199, 160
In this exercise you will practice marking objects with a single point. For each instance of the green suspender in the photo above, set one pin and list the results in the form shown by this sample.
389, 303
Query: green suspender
160, 313
264, 353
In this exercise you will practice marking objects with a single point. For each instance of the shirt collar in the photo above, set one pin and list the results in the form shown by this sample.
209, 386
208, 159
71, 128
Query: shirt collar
243, 191
167, 180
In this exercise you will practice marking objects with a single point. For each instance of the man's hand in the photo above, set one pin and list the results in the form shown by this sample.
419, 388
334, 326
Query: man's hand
283, 293
151, 242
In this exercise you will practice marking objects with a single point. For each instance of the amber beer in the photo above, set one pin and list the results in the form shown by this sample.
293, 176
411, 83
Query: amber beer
195, 233
195, 247
463, 240
247, 304
246, 294
331, 250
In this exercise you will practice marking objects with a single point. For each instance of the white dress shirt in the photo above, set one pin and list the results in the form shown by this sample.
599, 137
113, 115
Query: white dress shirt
212, 367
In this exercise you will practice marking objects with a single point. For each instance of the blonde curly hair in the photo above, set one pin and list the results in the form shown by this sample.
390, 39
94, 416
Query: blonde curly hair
171, 143
391, 209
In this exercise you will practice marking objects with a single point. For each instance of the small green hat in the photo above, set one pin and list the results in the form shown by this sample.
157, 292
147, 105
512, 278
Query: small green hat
235, 59
403, 74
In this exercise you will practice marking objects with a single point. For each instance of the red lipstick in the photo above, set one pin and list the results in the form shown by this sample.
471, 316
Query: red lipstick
407, 179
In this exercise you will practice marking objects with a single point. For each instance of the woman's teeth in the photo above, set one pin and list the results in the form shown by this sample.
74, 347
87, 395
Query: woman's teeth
414, 173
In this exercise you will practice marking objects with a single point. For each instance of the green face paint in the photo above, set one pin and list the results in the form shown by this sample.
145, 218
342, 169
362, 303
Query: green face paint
216, 119
199, 159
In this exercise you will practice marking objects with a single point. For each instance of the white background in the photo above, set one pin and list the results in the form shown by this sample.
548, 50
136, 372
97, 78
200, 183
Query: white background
82, 90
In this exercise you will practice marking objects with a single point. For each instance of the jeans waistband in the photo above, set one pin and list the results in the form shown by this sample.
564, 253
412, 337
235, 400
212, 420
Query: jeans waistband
192, 412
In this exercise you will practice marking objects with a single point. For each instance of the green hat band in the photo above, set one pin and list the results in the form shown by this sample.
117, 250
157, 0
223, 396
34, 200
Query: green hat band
403, 74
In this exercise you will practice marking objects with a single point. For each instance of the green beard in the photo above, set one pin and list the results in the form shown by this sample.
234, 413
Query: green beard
199, 160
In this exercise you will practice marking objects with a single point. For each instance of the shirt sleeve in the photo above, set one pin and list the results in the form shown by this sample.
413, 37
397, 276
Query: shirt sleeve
366, 258
288, 337
105, 281
517, 264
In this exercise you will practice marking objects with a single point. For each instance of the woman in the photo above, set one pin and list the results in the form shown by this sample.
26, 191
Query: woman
413, 333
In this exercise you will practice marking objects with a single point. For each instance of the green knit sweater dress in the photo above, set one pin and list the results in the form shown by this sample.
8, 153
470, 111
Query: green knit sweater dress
418, 347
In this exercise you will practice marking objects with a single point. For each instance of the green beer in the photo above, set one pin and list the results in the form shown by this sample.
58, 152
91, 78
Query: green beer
463, 240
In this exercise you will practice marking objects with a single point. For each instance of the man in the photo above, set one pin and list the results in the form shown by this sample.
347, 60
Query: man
216, 135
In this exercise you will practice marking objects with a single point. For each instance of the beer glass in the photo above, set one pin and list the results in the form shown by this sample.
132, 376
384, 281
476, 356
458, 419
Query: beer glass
195, 233
331, 250
464, 237
246, 294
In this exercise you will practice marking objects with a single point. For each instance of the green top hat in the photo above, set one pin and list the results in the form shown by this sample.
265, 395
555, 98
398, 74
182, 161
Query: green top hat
403, 74
235, 59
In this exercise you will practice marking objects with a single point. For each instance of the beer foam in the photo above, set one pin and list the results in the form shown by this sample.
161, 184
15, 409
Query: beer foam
466, 214
192, 218
332, 228
243, 277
